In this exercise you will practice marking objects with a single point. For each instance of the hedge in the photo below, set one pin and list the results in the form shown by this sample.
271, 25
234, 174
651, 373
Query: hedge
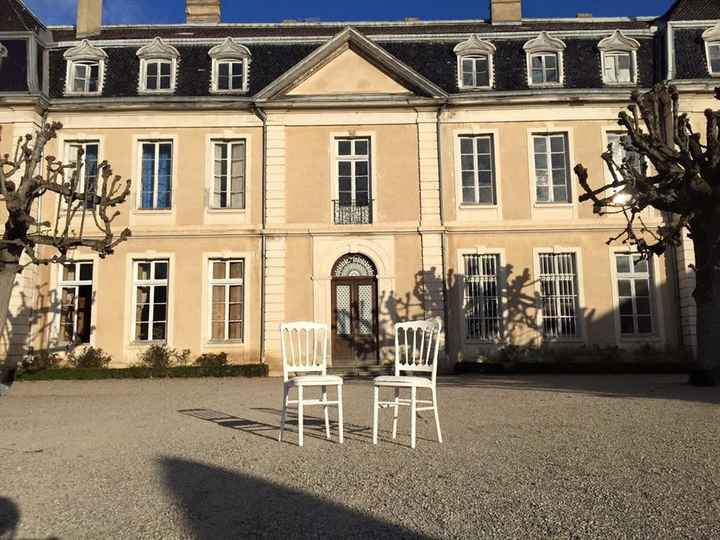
182, 372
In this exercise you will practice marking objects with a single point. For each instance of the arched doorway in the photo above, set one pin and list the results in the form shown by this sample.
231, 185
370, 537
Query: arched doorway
354, 312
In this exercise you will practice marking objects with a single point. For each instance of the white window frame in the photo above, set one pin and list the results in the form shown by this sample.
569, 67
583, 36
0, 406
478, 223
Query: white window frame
228, 143
335, 176
226, 283
157, 52
230, 51
548, 154
711, 36
493, 157
545, 45
499, 298
613, 46
152, 283
84, 54
475, 48
72, 156
156, 143
632, 277
62, 283
581, 332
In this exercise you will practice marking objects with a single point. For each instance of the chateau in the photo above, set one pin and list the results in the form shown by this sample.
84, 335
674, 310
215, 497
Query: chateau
356, 173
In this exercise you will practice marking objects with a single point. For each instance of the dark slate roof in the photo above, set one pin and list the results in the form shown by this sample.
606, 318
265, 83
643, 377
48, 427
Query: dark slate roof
16, 17
13, 73
301, 30
690, 56
693, 10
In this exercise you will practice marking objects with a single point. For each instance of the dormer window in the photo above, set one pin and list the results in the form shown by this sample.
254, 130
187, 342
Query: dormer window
230, 67
85, 70
475, 61
619, 59
545, 62
158, 68
3, 54
712, 49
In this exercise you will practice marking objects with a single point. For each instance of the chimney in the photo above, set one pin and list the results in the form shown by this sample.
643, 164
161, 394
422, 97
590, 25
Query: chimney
202, 11
506, 11
89, 18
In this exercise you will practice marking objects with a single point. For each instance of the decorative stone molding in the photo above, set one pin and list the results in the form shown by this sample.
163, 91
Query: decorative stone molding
157, 50
475, 47
86, 52
544, 43
3, 54
230, 50
712, 39
619, 43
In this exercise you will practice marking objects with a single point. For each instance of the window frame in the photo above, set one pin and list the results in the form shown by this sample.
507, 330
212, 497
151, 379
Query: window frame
711, 36
159, 62
476, 171
615, 45
354, 159
543, 56
230, 51
61, 284
227, 283
71, 144
545, 45
85, 54
461, 71
157, 52
606, 55
153, 283
548, 155
634, 276
229, 143
156, 166
708, 47
475, 48
498, 256
580, 333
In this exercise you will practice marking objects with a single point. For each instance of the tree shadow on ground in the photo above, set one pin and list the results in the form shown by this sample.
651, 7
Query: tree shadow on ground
9, 519
219, 503
666, 387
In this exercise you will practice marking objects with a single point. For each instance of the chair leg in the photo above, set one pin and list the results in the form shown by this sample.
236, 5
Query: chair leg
413, 415
376, 398
286, 392
396, 413
300, 415
325, 410
340, 413
437, 414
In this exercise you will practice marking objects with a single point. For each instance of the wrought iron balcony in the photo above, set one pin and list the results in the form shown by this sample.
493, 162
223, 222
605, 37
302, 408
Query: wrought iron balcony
352, 213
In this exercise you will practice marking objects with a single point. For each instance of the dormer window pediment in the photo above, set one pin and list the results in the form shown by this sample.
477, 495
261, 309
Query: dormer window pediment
3, 54
230, 67
619, 59
158, 67
712, 49
545, 61
85, 72
475, 64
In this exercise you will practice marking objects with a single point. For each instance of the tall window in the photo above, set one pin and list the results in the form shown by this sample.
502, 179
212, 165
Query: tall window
151, 299
227, 297
158, 75
618, 67
621, 154
475, 72
714, 58
87, 168
229, 174
477, 162
483, 317
559, 295
552, 168
156, 175
76, 299
85, 77
633, 286
353, 176
545, 68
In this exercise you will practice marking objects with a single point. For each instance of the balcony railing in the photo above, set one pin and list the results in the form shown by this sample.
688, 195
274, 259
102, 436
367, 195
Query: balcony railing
352, 213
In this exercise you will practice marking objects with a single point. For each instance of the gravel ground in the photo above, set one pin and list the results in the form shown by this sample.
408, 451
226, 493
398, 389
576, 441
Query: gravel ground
531, 456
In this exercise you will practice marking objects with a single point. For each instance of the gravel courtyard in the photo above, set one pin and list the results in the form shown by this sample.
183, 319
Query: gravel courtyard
526, 456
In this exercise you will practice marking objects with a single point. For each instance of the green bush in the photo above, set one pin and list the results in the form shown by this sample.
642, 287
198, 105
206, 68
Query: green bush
139, 372
89, 358
40, 360
212, 360
162, 357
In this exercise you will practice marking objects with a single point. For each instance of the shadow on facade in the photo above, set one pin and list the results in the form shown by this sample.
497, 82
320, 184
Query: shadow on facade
218, 503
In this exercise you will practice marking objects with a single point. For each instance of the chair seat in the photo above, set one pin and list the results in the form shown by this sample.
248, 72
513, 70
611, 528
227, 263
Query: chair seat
316, 380
403, 381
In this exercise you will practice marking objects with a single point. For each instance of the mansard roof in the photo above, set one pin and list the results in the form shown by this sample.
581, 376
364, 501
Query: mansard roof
16, 17
694, 10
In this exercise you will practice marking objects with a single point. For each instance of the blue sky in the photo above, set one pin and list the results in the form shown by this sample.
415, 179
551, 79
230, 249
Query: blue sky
172, 11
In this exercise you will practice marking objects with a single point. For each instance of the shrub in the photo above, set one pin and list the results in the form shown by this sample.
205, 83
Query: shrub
40, 360
162, 357
89, 358
212, 360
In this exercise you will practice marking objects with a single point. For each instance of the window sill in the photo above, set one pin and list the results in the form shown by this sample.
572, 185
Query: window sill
156, 92
82, 94
475, 88
546, 85
553, 205
146, 211
226, 210
228, 92
638, 338
228, 343
478, 206
139, 344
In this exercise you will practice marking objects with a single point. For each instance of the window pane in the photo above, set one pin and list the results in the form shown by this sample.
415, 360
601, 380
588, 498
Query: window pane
218, 270
161, 270
622, 264
86, 271
236, 270
466, 145
624, 287
361, 147
143, 271
540, 144
344, 148
69, 272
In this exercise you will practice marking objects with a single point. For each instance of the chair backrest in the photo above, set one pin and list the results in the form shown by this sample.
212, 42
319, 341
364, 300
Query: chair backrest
304, 348
417, 345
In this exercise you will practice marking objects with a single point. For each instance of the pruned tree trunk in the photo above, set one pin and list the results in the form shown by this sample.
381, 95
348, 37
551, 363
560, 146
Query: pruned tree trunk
8, 273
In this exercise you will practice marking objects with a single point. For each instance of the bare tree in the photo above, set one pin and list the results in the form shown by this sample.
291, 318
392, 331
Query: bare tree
83, 216
683, 183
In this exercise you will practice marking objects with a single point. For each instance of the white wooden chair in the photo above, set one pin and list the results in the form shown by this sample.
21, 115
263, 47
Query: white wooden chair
304, 353
416, 352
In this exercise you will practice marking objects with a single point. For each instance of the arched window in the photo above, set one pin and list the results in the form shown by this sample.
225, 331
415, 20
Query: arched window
158, 67
545, 62
85, 72
230, 68
619, 59
475, 64
354, 265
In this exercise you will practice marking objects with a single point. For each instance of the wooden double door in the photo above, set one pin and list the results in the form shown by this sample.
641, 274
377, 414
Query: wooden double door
354, 321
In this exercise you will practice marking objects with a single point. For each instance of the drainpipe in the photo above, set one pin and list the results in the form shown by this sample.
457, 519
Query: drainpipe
443, 235
263, 240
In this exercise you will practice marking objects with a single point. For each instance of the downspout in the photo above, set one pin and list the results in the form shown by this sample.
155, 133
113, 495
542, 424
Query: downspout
263, 240
443, 234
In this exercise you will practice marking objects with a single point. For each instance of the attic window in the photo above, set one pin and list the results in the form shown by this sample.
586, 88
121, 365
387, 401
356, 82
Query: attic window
158, 68
475, 64
85, 72
619, 59
230, 68
3, 54
545, 61
712, 49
